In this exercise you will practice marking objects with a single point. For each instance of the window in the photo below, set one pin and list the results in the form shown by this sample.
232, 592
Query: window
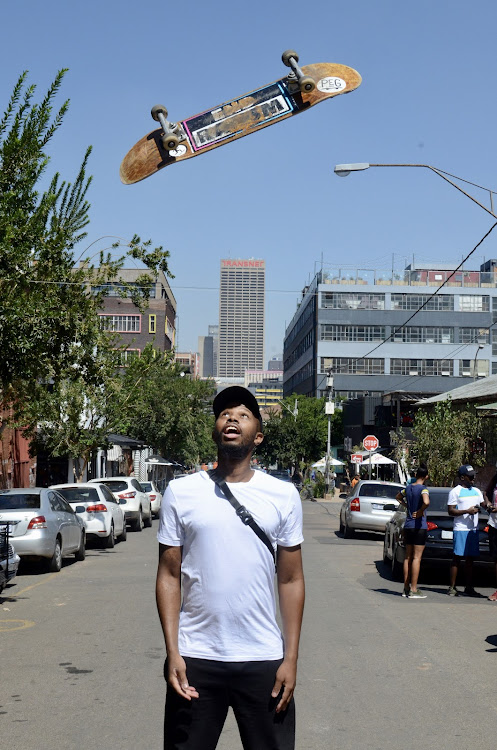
424, 335
439, 302
474, 303
152, 323
421, 367
467, 368
352, 366
352, 301
474, 336
331, 332
121, 323
127, 355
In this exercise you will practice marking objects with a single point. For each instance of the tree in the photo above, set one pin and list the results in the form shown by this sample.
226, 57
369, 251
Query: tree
446, 437
169, 412
299, 440
48, 322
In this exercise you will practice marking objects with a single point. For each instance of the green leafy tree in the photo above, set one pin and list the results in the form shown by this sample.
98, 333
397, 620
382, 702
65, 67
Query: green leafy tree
446, 437
158, 403
48, 323
299, 439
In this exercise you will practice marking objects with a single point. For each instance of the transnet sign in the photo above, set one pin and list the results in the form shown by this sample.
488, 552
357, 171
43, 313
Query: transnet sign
242, 263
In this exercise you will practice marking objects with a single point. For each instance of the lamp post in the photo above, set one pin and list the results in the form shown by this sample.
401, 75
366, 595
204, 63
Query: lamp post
343, 170
329, 410
475, 374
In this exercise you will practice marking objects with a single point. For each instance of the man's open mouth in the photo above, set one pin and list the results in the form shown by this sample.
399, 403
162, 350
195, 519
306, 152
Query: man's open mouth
231, 431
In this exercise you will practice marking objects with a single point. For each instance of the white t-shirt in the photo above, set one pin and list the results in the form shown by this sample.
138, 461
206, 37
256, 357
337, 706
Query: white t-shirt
463, 498
228, 611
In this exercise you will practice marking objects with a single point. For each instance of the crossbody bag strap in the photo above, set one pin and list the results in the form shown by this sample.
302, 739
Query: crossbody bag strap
243, 514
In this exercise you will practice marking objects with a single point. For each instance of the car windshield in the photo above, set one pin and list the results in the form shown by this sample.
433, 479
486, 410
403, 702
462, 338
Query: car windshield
116, 486
438, 499
147, 486
79, 495
388, 491
19, 501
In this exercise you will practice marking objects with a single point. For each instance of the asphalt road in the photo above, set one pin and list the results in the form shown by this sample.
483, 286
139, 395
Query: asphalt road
81, 653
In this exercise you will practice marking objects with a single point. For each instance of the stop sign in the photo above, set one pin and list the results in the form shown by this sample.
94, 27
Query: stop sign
370, 443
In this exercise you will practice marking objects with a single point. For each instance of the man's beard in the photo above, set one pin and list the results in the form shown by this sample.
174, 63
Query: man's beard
233, 452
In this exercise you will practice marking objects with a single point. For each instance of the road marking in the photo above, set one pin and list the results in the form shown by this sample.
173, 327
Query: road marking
33, 585
8, 625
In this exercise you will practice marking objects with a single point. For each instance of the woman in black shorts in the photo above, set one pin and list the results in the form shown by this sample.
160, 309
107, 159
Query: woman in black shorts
415, 498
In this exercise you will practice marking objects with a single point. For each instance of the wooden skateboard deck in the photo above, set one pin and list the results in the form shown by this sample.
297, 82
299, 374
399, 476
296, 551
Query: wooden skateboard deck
237, 118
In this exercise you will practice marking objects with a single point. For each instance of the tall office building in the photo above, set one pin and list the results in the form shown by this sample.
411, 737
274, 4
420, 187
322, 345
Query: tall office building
214, 332
241, 317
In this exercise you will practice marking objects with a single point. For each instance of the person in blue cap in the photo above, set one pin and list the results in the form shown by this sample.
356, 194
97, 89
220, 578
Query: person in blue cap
463, 504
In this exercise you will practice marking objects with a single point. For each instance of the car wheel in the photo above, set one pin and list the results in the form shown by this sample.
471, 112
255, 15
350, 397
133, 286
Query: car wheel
55, 564
110, 541
386, 559
124, 534
341, 528
148, 521
348, 533
138, 522
397, 568
80, 554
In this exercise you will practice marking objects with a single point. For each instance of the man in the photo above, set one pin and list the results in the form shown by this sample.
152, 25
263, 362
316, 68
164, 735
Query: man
464, 503
416, 499
216, 599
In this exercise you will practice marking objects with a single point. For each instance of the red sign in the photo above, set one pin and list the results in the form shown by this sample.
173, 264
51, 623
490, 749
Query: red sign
356, 458
370, 443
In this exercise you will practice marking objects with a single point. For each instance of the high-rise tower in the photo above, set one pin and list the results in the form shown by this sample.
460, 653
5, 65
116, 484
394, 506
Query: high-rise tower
241, 317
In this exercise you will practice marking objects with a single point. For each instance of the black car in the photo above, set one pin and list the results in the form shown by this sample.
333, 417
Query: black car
439, 540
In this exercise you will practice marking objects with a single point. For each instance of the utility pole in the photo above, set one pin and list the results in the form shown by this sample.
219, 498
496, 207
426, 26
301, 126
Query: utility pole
329, 410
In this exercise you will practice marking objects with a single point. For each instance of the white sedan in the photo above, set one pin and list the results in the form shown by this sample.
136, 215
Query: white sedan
99, 510
154, 495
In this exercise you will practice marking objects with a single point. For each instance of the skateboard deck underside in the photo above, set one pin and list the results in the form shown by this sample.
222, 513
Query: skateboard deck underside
237, 118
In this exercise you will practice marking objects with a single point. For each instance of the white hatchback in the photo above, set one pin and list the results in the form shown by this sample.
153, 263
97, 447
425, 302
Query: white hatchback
99, 510
134, 501
155, 496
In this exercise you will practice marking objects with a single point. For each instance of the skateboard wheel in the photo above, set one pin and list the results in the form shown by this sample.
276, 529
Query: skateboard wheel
307, 84
170, 141
287, 55
155, 111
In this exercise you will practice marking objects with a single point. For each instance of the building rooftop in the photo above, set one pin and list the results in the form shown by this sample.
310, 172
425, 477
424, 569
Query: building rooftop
480, 391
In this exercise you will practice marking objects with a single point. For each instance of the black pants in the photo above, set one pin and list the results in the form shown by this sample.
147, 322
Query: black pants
246, 687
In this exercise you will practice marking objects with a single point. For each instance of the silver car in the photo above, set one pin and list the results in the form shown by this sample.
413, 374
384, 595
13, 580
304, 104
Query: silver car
364, 509
42, 525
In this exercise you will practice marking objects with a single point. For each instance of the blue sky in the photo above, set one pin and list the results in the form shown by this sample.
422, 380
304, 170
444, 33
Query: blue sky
428, 96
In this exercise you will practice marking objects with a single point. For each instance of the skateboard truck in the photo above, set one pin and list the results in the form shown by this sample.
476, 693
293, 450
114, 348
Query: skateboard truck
172, 132
297, 81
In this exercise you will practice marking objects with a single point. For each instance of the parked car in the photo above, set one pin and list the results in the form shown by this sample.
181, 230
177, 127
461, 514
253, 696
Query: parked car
283, 475
101, 513
43, 525
440, 534
364, 508
155, 496
136, 505
9, 559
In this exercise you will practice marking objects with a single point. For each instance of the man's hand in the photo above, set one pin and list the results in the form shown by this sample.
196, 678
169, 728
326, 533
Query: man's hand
176, 677
471, 511
286, 678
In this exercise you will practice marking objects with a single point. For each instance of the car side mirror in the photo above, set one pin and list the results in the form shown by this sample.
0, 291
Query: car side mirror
80, 509
343, 496
122, 501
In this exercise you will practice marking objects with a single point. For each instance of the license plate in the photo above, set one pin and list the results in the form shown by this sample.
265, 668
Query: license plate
447, 534
377, 506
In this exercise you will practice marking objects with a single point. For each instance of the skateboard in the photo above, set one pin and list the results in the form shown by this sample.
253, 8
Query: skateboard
172, 142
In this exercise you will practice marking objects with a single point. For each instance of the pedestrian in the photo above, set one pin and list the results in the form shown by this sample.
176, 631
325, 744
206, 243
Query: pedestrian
463, 504
216, 595
416, 499
355, 480
490, 505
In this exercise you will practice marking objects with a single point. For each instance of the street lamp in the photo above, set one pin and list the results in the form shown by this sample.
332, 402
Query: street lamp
475, 374
329, 410
343, 170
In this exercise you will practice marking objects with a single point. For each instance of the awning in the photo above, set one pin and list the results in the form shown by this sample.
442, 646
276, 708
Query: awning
321, 464
157, 460
378, 458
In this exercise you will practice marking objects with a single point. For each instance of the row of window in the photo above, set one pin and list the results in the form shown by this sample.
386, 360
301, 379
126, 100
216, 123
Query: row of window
405, 335
428, 367
376, 301
132, 324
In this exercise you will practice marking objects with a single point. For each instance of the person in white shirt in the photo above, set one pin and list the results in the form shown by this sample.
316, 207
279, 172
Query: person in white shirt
463, 504
216, 597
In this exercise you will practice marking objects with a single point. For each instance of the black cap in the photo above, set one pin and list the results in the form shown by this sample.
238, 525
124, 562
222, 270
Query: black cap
236, 394
466, 471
